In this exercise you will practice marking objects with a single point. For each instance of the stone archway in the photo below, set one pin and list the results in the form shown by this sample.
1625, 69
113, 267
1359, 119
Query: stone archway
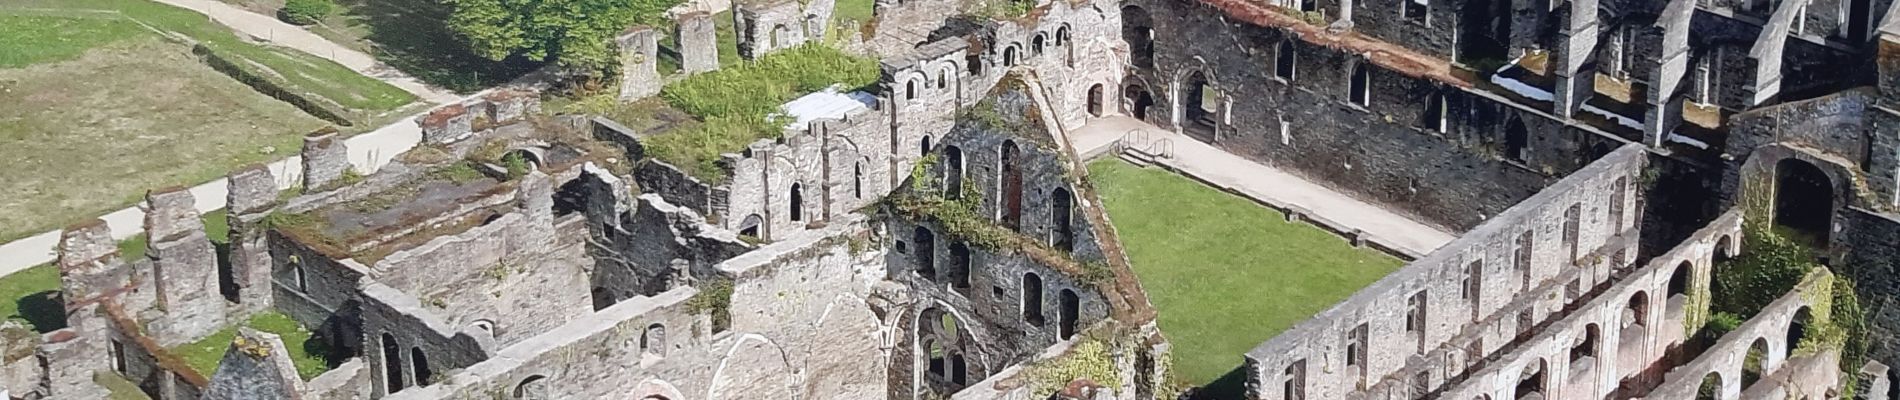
1804, 200
1137, 101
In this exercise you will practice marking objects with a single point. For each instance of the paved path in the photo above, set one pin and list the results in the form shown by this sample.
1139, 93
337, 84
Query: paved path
270, 29
1268, 184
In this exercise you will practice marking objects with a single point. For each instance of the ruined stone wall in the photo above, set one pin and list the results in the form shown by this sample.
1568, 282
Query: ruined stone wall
1563, 224
1769, 329
831, 165
766, 26
1873, 262
488, 274
395, 322
310, 286
1612, 338
1389, 150
801, 328
926, 90
1073, 48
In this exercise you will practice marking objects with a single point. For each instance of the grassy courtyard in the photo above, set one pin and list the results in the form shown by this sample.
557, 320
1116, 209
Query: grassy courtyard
1225, 273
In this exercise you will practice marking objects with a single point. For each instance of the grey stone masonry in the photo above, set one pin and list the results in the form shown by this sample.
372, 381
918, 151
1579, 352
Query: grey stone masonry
699, 43
325, 159
638, 76
88, 257
185, 266
249, 199
446, 124
255, 367
766, 26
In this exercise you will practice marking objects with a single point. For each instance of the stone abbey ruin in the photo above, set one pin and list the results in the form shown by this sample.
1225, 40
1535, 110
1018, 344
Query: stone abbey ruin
1598, 161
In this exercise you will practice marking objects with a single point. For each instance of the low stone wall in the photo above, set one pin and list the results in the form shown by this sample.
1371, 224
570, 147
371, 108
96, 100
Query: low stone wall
1428, 302
315, 105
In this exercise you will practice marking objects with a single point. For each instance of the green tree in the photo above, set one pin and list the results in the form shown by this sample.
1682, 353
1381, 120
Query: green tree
573, 33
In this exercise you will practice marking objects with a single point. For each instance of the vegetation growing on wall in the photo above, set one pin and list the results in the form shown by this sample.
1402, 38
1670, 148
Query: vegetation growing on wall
737, 105
1089, 359
714, 298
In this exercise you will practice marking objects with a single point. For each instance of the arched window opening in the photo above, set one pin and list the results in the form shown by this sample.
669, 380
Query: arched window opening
1521, 259
1804, 201
296, 269
533, 388
958, 375
1573, 228
1032, 299
779, 36
1722, 248
1531, 381
1679, 281
1797, 331
797, 204
1012, 186
1293, 381
1095, 100
1137, 100
1484, 31
1755, 363
910, 90
1619, 193
653, 342
392, 364
1062, 35
1360, 89
749, 227
857, 180
1201, 101
1438, 114
424, 375
1516, 140
1138, 31
1586, 348
937, 363
1071, 309
925, 144
952, 172
1284, 60
1009, 56
960, 267
1711, 388
1635, 323
1062, 218
1036, 44
926, 255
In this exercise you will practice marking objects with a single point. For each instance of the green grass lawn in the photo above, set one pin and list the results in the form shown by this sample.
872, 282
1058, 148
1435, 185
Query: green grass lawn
1225, 273
32, 296
33, 39
307, 354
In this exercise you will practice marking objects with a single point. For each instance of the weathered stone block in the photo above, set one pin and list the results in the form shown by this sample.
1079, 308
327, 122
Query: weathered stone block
325, 159
699, 43
447, 124
639, 76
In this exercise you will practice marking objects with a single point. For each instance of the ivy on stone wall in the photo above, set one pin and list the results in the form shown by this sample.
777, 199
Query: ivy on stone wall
715, 298
1090, 359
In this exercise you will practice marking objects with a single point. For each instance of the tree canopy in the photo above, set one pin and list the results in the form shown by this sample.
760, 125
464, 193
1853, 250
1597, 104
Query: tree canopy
573, 33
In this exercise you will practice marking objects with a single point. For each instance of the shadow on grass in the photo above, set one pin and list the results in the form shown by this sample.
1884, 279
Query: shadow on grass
1230, 386
412, 36
44, 310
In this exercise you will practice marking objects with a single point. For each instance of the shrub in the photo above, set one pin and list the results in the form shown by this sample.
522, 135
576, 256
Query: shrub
306, 12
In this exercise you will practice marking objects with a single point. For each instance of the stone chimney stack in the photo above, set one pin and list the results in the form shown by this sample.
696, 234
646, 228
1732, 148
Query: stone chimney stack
639, 48
185, 268
250, 196
325, 159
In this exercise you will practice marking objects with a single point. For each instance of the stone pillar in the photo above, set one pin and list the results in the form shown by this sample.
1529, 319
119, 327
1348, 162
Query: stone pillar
638, 57
1576, 42
699, 43
447, 124
250, 196
535, 200
185, 267
89, 263
89, 269
325, 159
1667, 80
